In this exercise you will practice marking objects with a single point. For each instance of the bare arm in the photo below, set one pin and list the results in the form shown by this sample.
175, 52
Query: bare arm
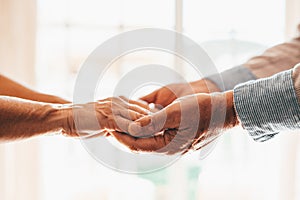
20, 119
264, 108
9, 87
276, 59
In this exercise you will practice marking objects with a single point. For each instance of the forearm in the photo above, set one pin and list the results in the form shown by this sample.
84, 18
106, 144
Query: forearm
20, 119
274, 60
9, 87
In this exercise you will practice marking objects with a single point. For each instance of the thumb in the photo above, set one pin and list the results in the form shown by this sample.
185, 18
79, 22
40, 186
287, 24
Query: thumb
150, 98
137, 128
149, 125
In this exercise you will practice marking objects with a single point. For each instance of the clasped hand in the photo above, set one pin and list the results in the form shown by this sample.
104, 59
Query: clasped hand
188, 123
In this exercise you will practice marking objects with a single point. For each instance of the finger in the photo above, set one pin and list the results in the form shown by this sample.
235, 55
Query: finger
124, 102
116, 100
151, 144
122, 124
151, 124
109, 99
129, 114
150, 98
138, 129
139, 109
165, 143
144, 127
138, 103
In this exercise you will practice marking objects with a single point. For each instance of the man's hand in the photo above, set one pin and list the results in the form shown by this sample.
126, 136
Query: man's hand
275, 59
167, 94
188, 123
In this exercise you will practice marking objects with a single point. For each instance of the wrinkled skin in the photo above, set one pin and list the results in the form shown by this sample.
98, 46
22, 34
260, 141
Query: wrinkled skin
21, 119
179, 128
26, 113
167, 94
101, 117
275, 59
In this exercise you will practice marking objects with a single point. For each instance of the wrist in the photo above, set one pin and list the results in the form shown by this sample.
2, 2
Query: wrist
231, 119
60, 119
204, 86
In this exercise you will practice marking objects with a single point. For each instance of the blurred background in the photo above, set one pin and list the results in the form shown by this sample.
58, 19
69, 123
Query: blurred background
43, 44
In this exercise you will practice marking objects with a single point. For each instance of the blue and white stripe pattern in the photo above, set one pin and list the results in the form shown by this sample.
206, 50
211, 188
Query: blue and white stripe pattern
267, 106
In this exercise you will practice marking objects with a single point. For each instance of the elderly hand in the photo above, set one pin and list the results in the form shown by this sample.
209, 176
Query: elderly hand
101, 117
188, 123
167, 94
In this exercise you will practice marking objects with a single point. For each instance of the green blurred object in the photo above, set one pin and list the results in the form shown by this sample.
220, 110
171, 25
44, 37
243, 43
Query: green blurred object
193, 172
158, 178
192, 176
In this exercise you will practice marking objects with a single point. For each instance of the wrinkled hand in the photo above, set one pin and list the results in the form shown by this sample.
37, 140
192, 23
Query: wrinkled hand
167, 94
188, 123
103, 116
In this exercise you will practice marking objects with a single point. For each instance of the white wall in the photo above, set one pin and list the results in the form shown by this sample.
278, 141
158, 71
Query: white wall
292, 17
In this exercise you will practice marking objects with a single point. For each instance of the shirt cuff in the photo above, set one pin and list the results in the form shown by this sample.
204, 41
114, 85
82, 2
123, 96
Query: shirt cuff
267, 106
226, 80
296, 80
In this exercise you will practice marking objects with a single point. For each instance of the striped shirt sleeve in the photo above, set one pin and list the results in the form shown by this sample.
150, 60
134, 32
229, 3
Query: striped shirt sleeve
269, 105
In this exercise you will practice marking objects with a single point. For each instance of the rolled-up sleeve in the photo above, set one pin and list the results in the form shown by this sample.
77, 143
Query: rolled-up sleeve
270, 105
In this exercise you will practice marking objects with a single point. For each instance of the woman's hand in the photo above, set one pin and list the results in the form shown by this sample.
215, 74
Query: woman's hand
102, 117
